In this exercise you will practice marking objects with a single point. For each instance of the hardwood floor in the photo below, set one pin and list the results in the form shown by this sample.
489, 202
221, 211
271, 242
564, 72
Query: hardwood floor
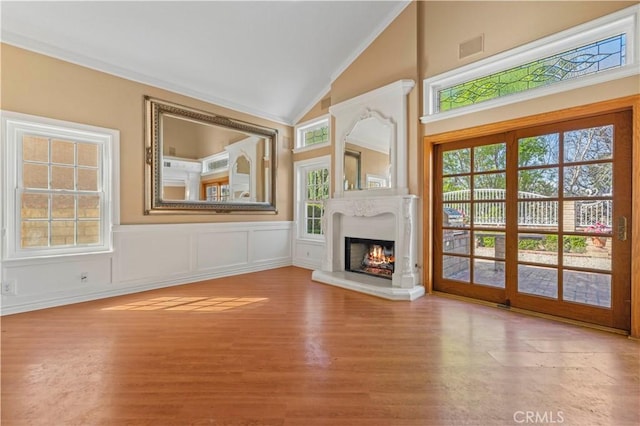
275, 348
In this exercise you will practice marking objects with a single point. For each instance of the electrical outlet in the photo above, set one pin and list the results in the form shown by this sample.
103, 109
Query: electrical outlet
84, 277
9, 288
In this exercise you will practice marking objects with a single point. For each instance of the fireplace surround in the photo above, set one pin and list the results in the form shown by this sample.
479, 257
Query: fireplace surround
381, 210
388, 218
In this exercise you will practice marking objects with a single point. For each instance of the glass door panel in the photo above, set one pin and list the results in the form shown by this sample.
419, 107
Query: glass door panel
472, 198
528, 218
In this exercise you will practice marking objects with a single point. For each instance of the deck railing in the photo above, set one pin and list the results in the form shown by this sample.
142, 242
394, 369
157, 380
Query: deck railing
532, 211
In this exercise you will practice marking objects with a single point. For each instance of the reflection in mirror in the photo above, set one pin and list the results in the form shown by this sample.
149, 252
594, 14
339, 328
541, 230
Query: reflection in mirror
201, 162
352, 169
371, 138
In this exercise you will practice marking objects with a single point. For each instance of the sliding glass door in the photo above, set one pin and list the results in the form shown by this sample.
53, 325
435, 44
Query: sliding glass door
537, 219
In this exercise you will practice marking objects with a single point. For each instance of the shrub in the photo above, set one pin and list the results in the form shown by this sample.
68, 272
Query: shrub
575, 244
528, 244
488, 241
550, 243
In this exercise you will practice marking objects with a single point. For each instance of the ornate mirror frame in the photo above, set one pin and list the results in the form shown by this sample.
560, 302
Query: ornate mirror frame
155, 110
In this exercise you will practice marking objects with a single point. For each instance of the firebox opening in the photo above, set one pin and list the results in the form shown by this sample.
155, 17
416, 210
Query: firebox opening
371, 257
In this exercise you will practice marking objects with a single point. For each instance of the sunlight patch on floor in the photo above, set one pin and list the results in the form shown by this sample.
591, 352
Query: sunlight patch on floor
199, 304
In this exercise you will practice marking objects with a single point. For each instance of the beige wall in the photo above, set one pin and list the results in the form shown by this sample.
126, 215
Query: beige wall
44, 86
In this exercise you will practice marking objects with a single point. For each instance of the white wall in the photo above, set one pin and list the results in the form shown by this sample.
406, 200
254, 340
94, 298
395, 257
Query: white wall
147, 257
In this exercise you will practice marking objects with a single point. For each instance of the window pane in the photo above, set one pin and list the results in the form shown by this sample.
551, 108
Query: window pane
588, 216
456, 242
538, 214
89, 232
489, 244
595, 143
89, 206
538, 281
35, 176
490, 186
62, 177
455, 268
88, 155
538, 248
62, 152
34, 234
88, 179
63, 233
456, 188
35, 206
317, 136
538, 150
592, 180
453, 215
63, 207
535, 183
488, 272
456, 162
587, 288
489, 214
490, 157
35, 148
587, 252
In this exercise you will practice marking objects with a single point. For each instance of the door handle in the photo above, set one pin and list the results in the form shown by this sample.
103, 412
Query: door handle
622, 228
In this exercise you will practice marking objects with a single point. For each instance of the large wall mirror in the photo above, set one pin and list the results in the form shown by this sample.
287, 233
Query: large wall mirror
198, 162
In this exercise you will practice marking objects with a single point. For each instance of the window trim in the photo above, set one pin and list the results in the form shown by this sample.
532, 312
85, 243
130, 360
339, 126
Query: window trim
623, 21
14, 124
299, 134
300, 169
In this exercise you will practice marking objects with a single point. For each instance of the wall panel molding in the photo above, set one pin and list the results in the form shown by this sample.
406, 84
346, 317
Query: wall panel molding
148, 257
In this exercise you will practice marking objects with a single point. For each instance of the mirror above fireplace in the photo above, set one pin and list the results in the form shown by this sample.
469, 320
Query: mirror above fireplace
370, 141
372, 128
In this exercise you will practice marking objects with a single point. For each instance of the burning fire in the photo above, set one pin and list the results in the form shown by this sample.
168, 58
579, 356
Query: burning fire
376, 256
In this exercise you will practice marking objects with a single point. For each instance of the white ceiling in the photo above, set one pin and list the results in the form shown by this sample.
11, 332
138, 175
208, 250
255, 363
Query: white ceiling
272, 59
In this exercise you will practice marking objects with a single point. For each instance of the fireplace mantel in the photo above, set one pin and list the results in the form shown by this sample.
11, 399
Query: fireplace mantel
386, 217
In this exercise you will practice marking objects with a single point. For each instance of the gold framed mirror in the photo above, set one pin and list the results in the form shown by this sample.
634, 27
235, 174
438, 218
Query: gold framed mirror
199, 162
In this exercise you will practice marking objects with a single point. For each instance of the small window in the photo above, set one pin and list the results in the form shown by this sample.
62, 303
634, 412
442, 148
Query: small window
313, 134
313, 183
59, 192
602, 50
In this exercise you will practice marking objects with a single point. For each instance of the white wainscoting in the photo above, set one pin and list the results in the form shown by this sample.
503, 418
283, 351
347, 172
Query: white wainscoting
147, 257
308, 253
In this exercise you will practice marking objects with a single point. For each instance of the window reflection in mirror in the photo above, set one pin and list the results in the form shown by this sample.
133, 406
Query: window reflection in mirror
351, 169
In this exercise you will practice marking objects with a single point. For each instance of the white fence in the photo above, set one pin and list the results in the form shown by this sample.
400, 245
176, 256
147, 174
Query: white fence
489, 209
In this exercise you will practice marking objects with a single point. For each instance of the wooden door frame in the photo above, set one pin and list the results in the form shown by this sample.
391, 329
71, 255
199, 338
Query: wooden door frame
631, 103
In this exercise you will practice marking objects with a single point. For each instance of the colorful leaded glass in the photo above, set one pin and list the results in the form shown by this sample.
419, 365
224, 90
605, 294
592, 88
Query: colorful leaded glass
589, 59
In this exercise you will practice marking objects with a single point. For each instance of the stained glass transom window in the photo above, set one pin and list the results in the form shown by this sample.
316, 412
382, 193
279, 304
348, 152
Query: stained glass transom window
588, 59
315, 136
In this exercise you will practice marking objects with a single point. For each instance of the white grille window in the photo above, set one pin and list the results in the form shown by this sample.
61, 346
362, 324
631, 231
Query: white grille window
59, 193
313, 185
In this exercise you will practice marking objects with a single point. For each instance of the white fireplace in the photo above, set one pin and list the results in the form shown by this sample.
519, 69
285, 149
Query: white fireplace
367, 128
390, 218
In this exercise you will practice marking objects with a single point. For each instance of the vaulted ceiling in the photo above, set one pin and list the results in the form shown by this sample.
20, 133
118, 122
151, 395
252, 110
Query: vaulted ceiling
273, 59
